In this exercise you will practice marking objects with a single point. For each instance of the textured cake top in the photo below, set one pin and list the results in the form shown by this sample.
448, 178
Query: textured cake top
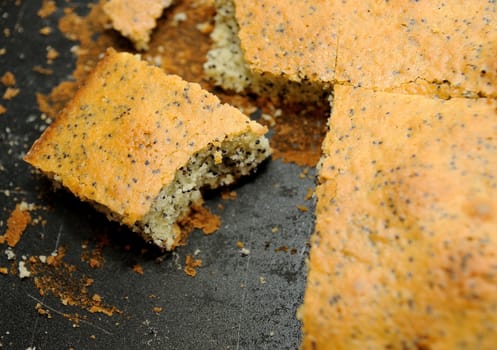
404, 251
376, 44
126, 132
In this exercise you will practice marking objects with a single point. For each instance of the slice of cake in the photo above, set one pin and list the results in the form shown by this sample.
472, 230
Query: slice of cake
404, 250
135, 19
297, 48
140, 145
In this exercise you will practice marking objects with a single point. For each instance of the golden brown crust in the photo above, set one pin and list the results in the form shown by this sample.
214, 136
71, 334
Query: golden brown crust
403, 254
403, 45
126, 132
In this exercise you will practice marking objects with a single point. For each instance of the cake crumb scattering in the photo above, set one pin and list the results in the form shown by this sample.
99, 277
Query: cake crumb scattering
66, 282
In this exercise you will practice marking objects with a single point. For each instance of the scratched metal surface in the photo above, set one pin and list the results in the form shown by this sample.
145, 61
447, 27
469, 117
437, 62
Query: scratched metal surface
235, 301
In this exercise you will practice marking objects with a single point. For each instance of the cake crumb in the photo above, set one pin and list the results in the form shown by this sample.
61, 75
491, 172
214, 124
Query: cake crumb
309, 194
9, 253
245, 251
10, 93
138, 269
47, 8
46, 30
4, 270
201, 218
302, 208
205, 27
52, 54
43, 312
240, 245
8, 79
190, 264
282, 248
3, 110
228, 195
157, 309
17, 222
23, 270
42, 70
94, 257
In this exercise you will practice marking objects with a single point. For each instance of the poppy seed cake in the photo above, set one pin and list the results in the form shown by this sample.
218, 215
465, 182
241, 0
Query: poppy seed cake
140, 145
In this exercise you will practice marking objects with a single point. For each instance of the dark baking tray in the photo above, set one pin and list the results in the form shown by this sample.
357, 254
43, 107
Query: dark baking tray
235, 301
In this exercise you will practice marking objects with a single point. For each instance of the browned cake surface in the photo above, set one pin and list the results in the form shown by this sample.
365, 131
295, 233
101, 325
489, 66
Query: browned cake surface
127, 131
385, 45
403, 255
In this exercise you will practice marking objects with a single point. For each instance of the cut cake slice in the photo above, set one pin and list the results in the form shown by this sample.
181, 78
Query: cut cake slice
139, 145
404, 250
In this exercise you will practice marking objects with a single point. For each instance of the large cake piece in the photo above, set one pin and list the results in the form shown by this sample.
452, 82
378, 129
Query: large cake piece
404, 250
140, 145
